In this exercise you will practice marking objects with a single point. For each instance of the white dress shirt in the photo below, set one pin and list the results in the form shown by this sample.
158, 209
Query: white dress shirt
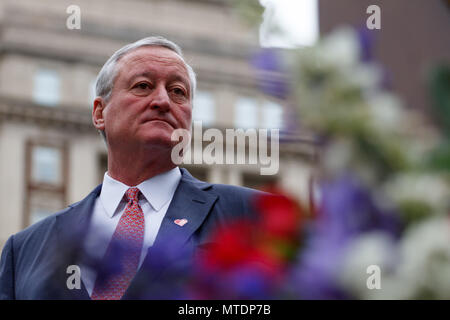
155, 198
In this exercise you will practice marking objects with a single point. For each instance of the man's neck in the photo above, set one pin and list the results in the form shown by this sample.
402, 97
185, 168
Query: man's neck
134, 170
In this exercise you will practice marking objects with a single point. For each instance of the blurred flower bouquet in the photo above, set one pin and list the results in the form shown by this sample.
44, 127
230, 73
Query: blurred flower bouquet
381, 229
383, 202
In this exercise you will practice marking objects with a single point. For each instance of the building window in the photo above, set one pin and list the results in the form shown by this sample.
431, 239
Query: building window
204, 108
246, 113
272, 115
45, 179
46, 89
46, 165
42, 203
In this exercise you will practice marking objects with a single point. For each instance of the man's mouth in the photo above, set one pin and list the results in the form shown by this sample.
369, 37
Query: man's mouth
160, 120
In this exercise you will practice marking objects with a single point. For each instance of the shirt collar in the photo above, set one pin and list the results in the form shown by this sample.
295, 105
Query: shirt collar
157, 190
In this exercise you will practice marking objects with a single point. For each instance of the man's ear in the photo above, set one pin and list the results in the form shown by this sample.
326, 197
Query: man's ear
97, 113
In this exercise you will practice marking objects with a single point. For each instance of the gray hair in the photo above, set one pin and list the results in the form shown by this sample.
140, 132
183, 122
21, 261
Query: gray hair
105, 80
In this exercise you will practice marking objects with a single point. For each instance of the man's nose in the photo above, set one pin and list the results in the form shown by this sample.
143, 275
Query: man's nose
160, 100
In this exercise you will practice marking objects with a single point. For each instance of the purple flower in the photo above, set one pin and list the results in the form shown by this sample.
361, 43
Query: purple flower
267, 59
367, 41
271, 76
367, 44
314, 275
242, 282
347, 210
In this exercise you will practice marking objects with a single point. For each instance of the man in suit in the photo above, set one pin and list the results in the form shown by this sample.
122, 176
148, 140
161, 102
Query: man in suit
144, 93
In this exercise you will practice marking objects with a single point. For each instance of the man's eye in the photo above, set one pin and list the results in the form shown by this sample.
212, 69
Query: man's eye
179, 91
142, 86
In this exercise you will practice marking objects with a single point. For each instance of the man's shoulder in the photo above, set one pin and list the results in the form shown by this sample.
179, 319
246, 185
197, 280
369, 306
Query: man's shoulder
47, 226
233, 192
236, 200
223, 191
37, 230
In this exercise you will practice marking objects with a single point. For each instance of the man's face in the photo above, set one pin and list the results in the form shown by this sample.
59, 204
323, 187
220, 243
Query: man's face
150, 99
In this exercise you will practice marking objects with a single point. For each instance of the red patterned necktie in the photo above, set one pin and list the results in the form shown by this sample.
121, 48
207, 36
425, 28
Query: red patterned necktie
129, 234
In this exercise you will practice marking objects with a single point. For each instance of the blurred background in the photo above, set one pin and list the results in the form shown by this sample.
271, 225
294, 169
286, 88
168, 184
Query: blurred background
50, 154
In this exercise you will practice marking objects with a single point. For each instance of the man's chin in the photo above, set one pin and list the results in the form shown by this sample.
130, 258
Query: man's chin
159, 142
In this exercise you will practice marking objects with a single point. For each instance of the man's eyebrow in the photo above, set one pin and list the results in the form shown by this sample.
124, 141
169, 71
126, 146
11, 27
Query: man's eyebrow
178, 77
142, 74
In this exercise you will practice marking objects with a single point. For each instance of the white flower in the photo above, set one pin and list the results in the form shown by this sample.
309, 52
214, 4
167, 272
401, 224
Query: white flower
337, 156
340, 49
418, 267
430, 189
366, 76
386, 112
375, 249
425, 254
341, 156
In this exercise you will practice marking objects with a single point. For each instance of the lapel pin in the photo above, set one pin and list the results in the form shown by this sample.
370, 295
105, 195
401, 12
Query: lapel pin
180, 222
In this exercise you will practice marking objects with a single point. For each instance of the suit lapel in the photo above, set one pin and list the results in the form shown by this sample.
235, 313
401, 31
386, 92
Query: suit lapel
190, 202
71, 231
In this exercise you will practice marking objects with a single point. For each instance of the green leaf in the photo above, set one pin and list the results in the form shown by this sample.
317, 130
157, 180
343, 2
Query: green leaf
439, 88
440, 158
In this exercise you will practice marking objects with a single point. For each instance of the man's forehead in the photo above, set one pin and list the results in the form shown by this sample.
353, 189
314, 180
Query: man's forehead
149, 55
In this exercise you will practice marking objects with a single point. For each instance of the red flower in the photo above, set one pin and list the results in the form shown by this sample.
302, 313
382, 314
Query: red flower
246, 256
230, 245
280, 215
239, 244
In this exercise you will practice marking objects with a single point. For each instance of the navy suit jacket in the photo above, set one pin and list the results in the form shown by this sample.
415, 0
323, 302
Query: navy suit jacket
34, 261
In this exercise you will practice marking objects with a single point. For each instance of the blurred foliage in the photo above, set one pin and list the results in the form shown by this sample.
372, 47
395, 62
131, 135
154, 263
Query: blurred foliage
440, 95
251, 11
439, 89
440, 158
